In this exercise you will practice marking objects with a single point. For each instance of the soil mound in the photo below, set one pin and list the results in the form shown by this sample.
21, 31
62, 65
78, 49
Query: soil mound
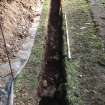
16, 17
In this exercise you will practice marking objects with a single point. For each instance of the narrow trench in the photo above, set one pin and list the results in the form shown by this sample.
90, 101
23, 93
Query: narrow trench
52, 89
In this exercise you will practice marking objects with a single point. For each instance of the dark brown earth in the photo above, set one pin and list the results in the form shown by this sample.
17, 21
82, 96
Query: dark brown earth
52, 90
88, 56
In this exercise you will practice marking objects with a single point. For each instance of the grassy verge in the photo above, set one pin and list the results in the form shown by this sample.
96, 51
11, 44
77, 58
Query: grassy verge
27, 81
73, 92
86, 48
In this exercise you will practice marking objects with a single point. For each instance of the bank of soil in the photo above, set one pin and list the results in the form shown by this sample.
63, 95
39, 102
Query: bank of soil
88, 56
16, 17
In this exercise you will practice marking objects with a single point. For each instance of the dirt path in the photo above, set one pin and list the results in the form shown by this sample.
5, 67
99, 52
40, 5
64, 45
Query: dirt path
88, 55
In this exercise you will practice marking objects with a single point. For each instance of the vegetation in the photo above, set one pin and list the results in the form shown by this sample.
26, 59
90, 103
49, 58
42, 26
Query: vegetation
85, 68
27, 81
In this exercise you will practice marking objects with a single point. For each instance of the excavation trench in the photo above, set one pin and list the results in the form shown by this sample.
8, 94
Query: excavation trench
52, 89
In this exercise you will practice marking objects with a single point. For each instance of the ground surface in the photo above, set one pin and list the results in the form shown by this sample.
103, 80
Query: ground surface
52, 88
27, 82
86, 69
16, 17
87, 74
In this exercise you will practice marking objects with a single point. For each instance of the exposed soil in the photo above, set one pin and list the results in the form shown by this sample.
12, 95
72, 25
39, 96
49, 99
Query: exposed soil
52, 89
16, 17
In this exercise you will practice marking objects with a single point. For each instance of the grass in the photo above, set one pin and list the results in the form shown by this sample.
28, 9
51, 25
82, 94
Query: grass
72, 85
27, 81
85, 45
85, 48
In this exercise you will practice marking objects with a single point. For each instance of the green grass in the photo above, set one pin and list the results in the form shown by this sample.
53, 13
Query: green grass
27, 81
73, 92
84, 42
72, 85
86, 49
